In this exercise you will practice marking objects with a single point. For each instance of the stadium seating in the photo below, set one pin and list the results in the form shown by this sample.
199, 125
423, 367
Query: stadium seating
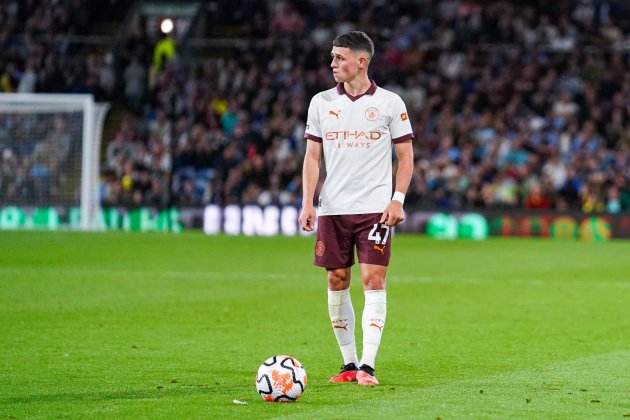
513, 106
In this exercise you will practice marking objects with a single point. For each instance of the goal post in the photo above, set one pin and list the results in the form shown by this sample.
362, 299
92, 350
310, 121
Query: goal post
50, 152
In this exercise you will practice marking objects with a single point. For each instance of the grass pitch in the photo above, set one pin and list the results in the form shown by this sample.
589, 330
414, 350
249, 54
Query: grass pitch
174, 326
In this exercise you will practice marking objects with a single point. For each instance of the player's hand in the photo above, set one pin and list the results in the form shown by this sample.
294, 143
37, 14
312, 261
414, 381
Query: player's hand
307, 218
393, 213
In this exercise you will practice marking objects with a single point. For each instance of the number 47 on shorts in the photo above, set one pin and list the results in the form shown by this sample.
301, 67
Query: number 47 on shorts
379, 234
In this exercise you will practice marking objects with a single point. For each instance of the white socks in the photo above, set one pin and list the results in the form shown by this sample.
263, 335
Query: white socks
342, 319
374, 314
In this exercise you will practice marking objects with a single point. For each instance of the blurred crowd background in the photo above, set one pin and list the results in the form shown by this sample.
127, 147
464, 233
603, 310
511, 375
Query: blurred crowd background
514, 104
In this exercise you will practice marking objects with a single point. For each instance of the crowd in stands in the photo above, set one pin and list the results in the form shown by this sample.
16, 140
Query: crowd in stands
31, 169
37, 56
513, 105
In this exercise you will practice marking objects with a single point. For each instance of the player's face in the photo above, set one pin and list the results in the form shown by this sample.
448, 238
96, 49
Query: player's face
346, 64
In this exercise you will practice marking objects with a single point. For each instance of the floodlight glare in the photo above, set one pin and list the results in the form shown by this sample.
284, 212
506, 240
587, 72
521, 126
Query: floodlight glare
166, 26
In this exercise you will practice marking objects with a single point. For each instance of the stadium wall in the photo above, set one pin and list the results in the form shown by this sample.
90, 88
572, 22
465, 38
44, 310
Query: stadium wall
273, 220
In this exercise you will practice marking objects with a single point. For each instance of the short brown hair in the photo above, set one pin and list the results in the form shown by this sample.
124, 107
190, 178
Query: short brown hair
356, 41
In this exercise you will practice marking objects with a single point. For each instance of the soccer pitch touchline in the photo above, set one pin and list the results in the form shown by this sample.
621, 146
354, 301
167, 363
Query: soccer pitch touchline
256, 275
252, 275
177, 274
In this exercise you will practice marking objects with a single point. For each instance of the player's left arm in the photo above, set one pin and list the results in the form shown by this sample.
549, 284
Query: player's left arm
394, 213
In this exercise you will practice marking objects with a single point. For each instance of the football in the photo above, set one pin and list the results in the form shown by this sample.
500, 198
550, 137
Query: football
281, 379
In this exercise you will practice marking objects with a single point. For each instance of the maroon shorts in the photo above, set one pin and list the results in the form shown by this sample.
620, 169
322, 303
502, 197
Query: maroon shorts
338, 235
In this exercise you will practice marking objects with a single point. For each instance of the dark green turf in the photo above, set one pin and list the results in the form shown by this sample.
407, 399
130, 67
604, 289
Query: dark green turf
175, 326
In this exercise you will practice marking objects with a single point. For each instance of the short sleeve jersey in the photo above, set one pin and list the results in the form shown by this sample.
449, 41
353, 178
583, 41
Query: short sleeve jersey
357, 133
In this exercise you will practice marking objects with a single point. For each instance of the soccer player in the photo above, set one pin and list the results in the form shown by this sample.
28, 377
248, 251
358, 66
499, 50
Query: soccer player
354, 126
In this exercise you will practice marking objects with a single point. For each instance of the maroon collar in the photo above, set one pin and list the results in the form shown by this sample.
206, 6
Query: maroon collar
342, 91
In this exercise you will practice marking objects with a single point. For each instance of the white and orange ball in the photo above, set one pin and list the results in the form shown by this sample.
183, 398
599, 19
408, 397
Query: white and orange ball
281, 379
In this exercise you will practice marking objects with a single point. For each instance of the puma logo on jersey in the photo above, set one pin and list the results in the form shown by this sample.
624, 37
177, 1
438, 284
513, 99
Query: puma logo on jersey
380, 249
334, 114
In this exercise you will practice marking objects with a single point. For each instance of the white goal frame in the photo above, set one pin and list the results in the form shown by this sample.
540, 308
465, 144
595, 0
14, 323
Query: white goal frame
92, 129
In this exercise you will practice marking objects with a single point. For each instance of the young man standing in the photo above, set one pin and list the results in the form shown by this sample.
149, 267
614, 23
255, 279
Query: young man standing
354, 125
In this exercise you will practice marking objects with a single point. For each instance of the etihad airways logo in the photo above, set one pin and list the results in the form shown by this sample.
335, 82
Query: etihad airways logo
352, 135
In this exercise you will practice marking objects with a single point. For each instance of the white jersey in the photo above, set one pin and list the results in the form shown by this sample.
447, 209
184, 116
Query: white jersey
357, 135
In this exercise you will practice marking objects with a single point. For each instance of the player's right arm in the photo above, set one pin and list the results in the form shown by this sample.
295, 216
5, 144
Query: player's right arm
310, 169
310, 176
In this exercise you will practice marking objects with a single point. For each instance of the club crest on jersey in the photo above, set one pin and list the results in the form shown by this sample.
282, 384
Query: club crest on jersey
334, 113
371, 114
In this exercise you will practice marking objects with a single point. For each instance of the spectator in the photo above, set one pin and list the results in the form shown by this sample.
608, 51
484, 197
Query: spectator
513, 105
135, 84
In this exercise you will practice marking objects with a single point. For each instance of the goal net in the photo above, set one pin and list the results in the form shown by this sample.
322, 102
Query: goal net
49, 152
